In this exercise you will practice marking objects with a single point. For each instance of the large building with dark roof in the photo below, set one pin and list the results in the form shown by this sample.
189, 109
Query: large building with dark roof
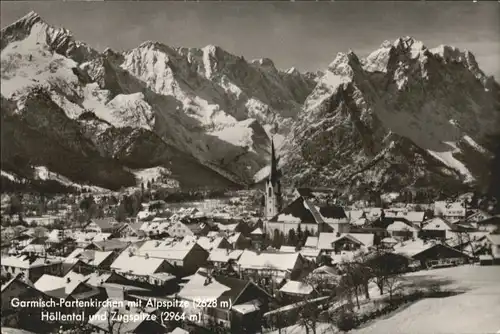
306, 214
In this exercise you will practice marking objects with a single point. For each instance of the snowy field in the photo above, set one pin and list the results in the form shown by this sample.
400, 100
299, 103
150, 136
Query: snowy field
477, 310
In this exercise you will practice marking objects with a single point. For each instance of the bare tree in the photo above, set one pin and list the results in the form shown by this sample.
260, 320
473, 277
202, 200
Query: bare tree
393, 284
386, 270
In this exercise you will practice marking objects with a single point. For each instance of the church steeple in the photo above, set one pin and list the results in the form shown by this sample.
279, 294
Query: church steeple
274, 175
273, 187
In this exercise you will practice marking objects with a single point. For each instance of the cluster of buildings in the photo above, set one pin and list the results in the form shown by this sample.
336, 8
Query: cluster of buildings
224, 269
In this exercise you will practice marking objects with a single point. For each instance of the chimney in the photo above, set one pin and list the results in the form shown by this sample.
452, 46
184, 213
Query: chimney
68, 279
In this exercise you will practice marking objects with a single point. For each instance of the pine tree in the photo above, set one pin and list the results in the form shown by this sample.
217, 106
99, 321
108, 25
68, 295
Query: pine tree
300, 235
276, 239
292, 238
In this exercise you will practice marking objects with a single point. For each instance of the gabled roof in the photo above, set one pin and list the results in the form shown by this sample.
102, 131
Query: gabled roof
418, 246
332, 212
169, 248
109, 223
59, 287
224, 255
325, 240
494, 220
137, 265
276, 261
287, 249
112, 244
297, 288
326, 270
311, 242
300, 210
95, 279
25, 261
207, 243
413, 216
223, 288
429, 223
93, 257
494, 239
398, 225
257, 231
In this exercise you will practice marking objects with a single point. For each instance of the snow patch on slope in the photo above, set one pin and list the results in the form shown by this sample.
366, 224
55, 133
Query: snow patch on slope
29, 63
44, 174
327, 85
449, 160
262, 174
240, 134
9, 176
131, 110
160, 175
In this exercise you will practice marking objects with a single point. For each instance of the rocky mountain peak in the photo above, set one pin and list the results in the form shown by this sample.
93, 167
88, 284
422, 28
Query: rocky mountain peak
425, 108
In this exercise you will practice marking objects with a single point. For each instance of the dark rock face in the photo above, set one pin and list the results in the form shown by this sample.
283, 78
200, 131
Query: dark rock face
406, 116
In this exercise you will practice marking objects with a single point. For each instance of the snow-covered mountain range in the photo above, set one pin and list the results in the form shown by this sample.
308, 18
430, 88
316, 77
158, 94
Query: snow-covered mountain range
205, 114
405, 115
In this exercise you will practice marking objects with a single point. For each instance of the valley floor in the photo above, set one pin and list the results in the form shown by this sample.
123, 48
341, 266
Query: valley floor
476, 310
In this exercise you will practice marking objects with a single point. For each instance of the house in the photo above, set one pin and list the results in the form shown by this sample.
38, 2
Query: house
432, 254
96, 278
276, 266
66, 288
238, 304
34, 250
311, 242
491, 224
237, 240
493, 241
142, 323
389, 242
321, 196
108, 245
450, 210
436, 228
156, 229
415, 217
355, 215
477, 216
30, 318
311, 254
142, 268
95, 258
334, 243
401, 228
297, 289
229, 228
302, 212
179, 229
103, 225
209, 243
30, 267
56, 236
133, 229
221, 257
287, 249
185, 255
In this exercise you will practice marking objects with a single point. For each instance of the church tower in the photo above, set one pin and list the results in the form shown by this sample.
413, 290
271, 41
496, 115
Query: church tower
273, 187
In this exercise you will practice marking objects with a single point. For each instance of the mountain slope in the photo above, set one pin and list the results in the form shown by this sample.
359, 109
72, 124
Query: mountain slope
404, 116
213, 109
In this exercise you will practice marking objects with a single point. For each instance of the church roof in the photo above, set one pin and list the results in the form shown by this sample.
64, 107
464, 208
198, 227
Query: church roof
300, 210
